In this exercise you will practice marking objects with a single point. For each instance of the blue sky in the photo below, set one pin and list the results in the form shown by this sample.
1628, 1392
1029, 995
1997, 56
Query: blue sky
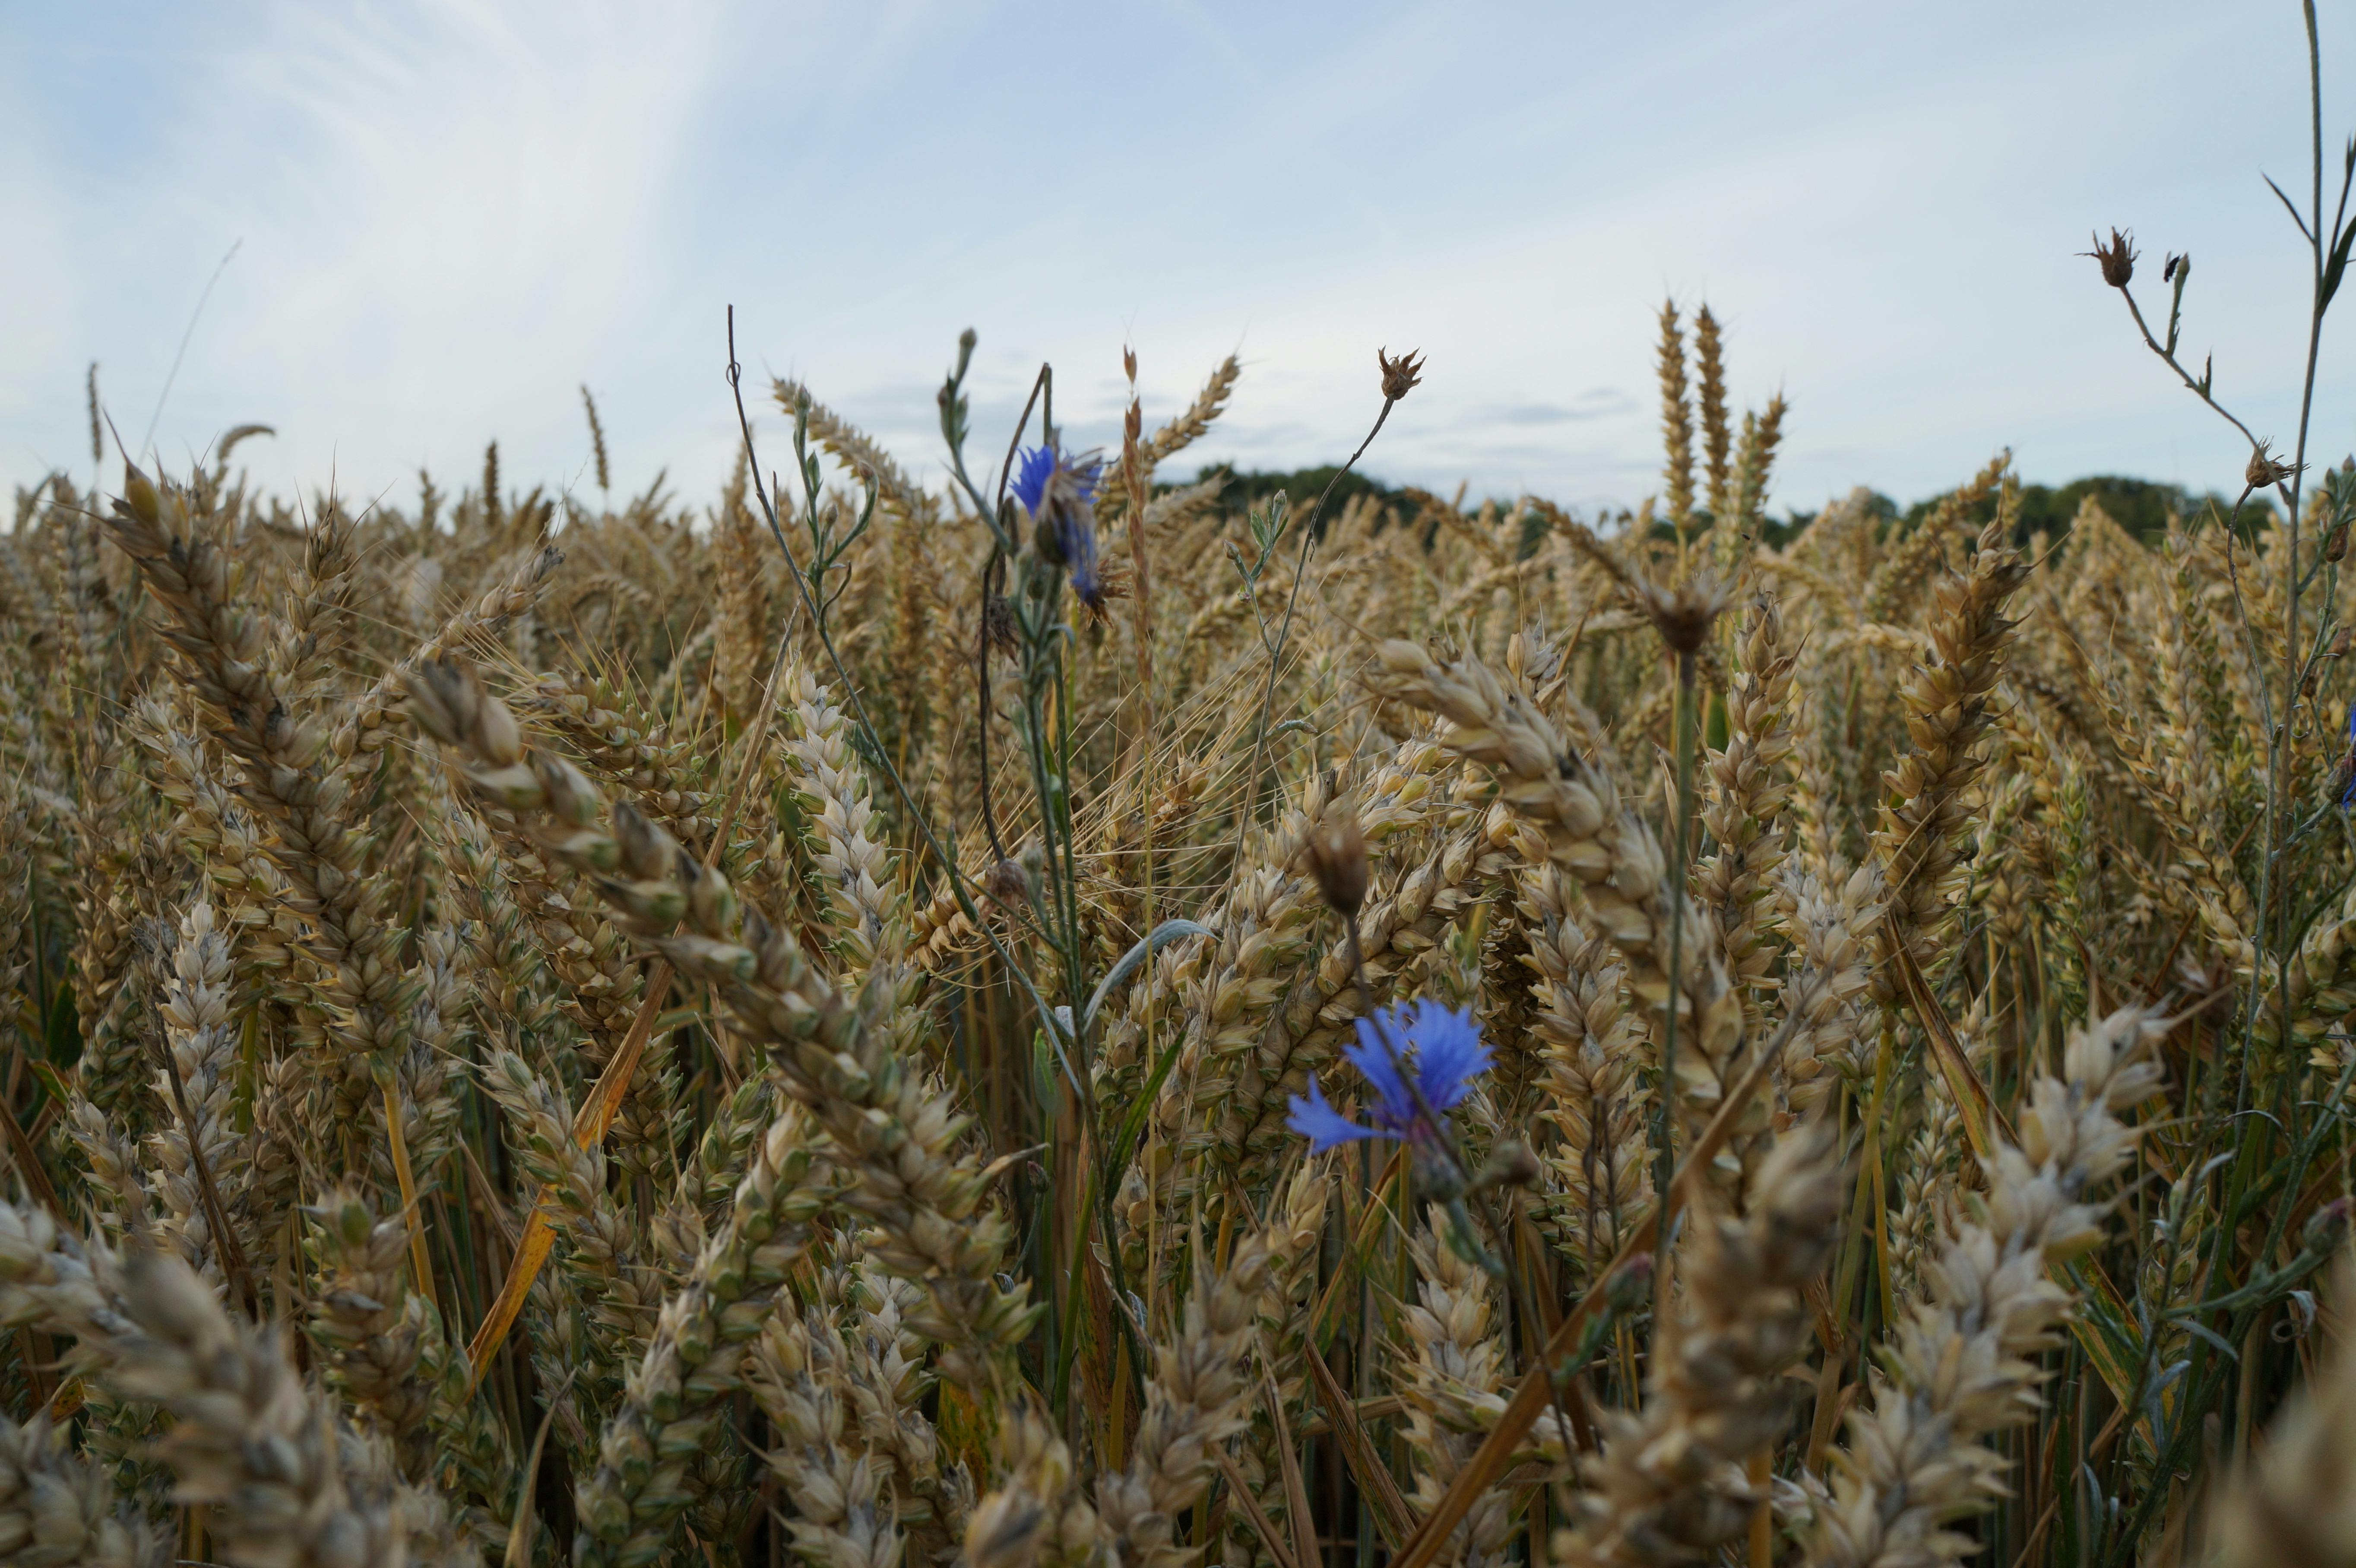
449, 214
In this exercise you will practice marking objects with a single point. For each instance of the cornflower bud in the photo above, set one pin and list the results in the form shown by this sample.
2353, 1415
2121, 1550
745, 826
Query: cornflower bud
2327, 1228
1337, 859
1510, 1164
1007, 885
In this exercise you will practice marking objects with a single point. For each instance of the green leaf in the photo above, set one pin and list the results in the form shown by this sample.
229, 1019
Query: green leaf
2335, 268
1145, 947
52, 1080
1125, 1142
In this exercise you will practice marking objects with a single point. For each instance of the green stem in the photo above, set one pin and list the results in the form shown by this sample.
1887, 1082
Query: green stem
1665, 1153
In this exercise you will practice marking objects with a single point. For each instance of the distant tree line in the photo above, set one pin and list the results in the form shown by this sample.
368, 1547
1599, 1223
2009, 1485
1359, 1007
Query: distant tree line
2141, 506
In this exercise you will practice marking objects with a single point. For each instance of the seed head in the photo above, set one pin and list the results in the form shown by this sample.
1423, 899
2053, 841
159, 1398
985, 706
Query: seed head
1337, 858
447, 700
141, 501
2117, 257
1400, 376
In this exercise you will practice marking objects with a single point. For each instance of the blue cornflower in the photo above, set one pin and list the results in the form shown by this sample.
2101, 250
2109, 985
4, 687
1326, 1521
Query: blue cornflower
1059, 492
1443, 1047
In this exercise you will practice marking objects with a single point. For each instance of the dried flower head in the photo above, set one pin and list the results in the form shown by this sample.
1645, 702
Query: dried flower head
2265, 470
2117, 257
1400, 376
1685, 614
1059, 492
1337, 858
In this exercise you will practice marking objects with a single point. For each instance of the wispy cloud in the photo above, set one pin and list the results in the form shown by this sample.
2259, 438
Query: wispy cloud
1596, 403
454, 212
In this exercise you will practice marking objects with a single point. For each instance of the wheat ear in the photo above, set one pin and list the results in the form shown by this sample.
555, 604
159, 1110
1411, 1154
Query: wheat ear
291, 1485
1199, 1397
1668, 1486
1591, 835
57, 1512
896, 1135
673, 1406
1962, 1365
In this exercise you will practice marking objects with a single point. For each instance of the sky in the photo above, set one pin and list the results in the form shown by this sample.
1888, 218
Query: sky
442, 218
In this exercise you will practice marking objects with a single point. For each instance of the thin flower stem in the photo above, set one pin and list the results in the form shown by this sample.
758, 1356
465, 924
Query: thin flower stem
915, 815
1665, 1157
2192, 383
992, 574
1284, 630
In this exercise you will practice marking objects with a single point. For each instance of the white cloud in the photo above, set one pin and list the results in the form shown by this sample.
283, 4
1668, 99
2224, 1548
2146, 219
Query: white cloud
453, 212
442, 212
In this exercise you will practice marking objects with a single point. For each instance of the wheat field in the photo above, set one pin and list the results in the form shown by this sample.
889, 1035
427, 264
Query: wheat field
1057, 1021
